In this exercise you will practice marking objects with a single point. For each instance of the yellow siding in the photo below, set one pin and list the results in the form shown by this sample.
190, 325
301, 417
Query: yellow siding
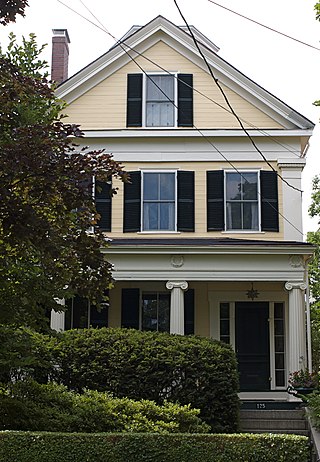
200, 169
104, 106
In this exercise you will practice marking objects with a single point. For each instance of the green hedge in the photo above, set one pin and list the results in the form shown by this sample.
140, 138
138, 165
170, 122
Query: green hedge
155, 366
131, 447
133, 364
31, 406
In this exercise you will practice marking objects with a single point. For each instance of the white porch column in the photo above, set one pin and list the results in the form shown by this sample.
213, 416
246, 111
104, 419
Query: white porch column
57, 317
297, 357
177, 306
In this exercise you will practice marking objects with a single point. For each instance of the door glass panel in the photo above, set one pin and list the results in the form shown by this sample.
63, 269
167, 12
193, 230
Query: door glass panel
225, 322
279, 344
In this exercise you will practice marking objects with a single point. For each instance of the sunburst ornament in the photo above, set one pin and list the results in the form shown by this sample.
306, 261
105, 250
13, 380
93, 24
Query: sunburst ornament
252, 293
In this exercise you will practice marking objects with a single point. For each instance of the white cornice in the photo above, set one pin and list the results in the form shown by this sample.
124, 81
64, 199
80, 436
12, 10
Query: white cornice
210, 250
190, 133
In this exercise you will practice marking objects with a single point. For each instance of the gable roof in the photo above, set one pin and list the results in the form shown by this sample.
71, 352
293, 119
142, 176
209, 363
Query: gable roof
140, 38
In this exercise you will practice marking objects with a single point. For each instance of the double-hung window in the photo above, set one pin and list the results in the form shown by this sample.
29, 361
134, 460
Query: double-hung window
160, 100
241, 198
159, 201
242, 201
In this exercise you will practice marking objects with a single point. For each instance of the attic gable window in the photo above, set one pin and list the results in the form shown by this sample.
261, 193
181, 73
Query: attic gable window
159, 100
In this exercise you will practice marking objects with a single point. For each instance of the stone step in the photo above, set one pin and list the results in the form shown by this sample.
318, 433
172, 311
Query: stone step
270, 424
274, 421
279, 432
272, 414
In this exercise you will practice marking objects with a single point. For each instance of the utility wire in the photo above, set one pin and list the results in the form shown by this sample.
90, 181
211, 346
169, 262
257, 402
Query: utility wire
228, 102
118, 42
266, 27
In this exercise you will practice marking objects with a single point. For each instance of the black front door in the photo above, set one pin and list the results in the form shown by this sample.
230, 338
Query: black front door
252, 345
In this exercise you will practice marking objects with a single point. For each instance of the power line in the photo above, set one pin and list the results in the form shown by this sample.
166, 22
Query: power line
228, 102
102, 27
266, 27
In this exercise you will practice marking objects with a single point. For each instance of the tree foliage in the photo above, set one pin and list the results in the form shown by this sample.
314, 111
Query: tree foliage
9, 9
46, 203
314, 274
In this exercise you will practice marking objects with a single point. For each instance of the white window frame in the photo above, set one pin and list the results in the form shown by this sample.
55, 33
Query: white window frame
244, 231
157, 231
174, 75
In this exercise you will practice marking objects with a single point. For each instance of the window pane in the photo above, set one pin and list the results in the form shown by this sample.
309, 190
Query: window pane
250, 216
278, 327
233, 186
278, 310
167, 186
280, 382
156, 83
233, 215
279, 361
151, 186
167, 216
279, 344
249, 188
224, 310
224, 327
160, 114
151, 216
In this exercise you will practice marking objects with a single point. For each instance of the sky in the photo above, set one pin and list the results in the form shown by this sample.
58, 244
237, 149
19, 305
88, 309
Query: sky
286, 68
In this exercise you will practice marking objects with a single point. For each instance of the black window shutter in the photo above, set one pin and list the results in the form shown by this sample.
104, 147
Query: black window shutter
269, 201
185, 201
132, 203
185, 100
189, 312
134, 100
215, 200
130, 302
103, 204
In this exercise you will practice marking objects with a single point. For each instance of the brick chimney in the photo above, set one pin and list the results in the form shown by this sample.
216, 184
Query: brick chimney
60, 55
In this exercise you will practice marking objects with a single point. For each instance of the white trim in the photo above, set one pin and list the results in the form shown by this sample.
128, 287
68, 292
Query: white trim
190, 132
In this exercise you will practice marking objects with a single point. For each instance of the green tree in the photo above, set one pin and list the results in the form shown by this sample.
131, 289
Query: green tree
314, 274
10, 8
46, 203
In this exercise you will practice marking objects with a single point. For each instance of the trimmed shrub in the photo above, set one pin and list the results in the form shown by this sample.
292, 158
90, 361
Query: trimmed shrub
130, 447
313, 401
155, 366
32, 406
24, 353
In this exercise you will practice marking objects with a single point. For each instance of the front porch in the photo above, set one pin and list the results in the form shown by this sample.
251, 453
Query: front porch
250, 294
